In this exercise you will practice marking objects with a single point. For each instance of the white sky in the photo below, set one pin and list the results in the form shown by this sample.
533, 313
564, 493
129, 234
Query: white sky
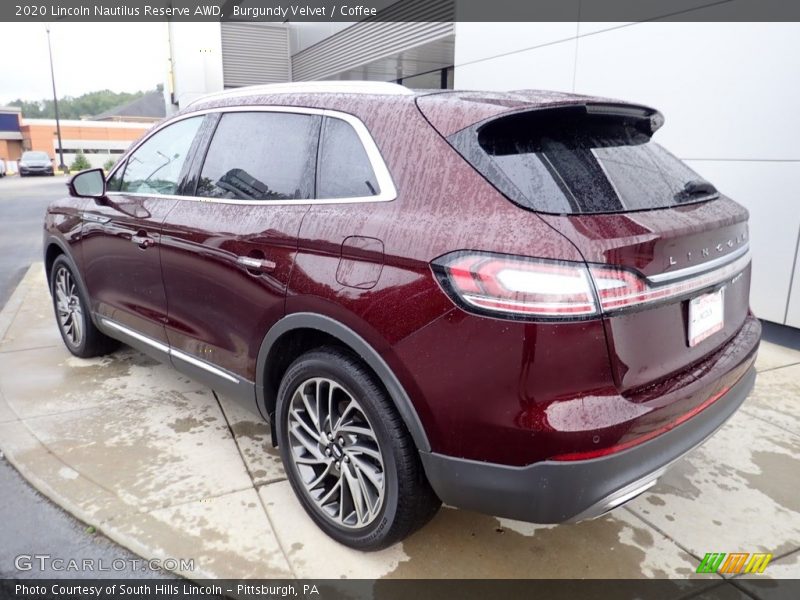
122, 57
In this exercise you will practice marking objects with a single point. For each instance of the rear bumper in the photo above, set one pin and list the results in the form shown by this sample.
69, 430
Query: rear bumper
558, 491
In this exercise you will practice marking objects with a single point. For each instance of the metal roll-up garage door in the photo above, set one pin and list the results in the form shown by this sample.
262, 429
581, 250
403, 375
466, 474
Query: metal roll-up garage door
368, 41
255, 53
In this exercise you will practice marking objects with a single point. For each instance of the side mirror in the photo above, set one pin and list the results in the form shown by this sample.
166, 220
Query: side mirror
88, 184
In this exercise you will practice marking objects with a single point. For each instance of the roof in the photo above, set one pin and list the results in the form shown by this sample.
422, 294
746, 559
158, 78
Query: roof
448, 111
309, 87
150, 106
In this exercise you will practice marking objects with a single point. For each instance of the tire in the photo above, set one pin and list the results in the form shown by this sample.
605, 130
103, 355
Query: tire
376, 456
71, 307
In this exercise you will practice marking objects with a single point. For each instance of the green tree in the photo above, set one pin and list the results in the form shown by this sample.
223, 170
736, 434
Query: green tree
109, 164
85, 105
80, 163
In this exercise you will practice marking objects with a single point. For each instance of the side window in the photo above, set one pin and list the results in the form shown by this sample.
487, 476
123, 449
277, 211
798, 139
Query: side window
344, 167
156, 166
114, 184
261, 156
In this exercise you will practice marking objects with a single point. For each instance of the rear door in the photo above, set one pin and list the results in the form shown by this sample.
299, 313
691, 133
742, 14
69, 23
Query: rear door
669, 254
228, 246
122, 233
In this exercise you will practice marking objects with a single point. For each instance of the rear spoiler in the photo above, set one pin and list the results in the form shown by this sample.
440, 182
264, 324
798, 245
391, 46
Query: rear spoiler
648, 120
450, 111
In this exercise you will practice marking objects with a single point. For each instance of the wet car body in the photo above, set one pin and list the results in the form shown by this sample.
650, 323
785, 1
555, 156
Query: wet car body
543, 409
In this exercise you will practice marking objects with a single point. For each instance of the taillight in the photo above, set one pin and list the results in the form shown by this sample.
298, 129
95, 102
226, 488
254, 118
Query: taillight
522, 287
514, 285
618, 289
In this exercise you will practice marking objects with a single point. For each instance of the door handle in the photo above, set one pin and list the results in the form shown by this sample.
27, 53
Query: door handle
95, 218
143, 241
255, 264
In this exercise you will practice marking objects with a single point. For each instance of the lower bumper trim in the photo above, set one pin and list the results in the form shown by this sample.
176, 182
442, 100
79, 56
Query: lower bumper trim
561, 491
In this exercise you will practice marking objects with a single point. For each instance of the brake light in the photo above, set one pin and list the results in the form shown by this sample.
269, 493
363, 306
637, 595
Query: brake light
620, 289
517, 286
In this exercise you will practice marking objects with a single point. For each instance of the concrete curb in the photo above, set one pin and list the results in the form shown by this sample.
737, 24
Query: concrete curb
9, 312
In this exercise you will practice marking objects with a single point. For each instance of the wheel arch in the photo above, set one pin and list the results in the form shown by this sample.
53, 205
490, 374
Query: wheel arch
296, 333
55, 247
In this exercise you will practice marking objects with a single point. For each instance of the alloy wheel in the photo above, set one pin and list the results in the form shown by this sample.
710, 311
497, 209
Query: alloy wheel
68, 307
335, 452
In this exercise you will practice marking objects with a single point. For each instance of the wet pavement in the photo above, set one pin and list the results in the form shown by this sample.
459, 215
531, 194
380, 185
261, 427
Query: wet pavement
167, 468
30, 522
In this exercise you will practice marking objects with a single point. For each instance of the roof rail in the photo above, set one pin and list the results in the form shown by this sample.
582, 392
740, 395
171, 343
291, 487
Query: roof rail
310, 87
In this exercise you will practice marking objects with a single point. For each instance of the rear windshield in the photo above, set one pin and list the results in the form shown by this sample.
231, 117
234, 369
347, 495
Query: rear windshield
570, 162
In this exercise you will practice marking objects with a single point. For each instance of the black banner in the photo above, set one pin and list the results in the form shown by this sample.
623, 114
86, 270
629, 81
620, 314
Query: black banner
398, 10
397, 589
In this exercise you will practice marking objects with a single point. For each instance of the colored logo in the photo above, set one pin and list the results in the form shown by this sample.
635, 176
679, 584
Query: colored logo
734, 562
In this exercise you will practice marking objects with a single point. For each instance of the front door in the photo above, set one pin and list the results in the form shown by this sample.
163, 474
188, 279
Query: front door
121, 235
228, 252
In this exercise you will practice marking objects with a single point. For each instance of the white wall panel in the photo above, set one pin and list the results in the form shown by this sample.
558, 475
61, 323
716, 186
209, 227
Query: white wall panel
793, 314
770, 192
546, 67
728, 90
196, 59
487, 40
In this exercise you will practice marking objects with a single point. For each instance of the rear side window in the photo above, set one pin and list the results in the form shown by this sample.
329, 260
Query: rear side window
344, 167
261, 156
570, 162
155, 167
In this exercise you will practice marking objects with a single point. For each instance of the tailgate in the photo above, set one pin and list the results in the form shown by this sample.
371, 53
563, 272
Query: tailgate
667, 253
681, 244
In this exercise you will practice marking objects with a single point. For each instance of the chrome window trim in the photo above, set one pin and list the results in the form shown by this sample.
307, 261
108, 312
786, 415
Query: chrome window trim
387, 192
206, 366
701, 268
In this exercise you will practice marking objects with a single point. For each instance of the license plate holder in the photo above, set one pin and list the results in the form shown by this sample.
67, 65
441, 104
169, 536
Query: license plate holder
706, 316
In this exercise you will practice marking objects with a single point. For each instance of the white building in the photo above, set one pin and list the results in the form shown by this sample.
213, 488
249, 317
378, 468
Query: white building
730, 93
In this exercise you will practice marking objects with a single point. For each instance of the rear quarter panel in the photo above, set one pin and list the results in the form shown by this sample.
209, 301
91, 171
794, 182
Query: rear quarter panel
442, 205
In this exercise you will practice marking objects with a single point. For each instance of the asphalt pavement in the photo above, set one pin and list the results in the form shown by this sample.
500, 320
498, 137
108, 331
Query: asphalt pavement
31, 525
22, 206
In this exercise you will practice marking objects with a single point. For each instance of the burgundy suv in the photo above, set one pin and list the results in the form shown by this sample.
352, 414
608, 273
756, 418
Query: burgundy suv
515, 303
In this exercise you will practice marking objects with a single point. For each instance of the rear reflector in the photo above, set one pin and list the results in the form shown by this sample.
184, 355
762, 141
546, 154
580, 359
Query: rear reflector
521, 287
643, 438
